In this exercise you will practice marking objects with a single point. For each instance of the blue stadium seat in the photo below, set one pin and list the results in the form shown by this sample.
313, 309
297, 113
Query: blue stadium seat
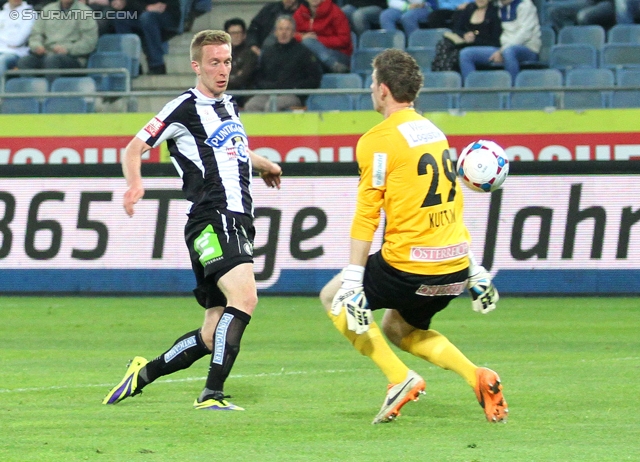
27, 105
429, 102
620, 55
572, 56
71, 104
380, 38
624, 33
341, 81
486, 100
335, 102
361, 61
588, 98
423, 55
627, 98
110, 59
534, 78
364, 102
426, 37
127, 43
590, 35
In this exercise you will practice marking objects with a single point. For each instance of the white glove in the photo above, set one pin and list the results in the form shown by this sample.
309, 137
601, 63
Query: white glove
351, 296
359, 316
483, 293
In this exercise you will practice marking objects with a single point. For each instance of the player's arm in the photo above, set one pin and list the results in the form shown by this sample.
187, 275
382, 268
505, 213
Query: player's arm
351, 292
270, 172
131, 168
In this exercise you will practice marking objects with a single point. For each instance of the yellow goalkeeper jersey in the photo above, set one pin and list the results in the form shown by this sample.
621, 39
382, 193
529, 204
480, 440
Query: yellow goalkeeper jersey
406, 171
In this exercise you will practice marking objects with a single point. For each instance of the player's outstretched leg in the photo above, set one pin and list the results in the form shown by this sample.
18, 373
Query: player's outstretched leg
129, 385
183, 353
398, 395
489, 393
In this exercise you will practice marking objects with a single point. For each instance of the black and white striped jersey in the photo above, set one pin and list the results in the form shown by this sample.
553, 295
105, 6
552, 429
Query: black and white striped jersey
208, 146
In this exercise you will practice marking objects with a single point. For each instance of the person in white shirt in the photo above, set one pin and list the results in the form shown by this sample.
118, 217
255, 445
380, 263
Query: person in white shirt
15, 27
520, 40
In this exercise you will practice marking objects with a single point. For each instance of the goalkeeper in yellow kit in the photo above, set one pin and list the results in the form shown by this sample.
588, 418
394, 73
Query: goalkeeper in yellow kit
425, 261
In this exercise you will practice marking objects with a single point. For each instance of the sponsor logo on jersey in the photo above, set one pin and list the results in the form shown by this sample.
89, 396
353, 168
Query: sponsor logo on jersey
447, 289
420, 132
379, 169
233, 132
154, 126
449, 252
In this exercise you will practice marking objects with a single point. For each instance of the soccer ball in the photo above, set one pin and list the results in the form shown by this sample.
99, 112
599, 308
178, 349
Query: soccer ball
483, 166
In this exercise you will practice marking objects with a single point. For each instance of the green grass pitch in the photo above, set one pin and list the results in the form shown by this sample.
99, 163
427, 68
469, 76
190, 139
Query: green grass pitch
570, 367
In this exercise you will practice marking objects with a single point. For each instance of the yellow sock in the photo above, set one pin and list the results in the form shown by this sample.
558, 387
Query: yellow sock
373, 345
438, 350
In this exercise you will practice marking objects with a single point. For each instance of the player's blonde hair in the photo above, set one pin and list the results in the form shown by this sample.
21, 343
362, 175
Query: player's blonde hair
399, 71
207, 37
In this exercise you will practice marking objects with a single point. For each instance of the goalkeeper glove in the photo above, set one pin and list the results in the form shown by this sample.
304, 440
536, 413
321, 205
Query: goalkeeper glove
351, 296
483, 293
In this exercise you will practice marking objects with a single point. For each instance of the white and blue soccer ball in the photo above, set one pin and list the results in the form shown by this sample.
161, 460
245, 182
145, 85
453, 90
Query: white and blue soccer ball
483, 166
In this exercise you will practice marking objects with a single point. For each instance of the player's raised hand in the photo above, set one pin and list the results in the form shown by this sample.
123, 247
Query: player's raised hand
131, 197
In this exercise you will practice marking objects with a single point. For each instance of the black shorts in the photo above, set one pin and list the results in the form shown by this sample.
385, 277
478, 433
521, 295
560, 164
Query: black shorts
416, 297
217, 242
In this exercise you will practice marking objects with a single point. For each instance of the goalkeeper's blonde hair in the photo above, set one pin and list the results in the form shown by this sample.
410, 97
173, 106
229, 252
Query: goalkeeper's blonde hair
207, 37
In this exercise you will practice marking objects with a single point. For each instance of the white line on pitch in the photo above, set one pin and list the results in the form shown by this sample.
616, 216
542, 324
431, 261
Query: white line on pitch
186, 379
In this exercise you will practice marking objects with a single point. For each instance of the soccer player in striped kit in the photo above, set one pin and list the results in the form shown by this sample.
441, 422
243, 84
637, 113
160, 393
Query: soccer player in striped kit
209, 148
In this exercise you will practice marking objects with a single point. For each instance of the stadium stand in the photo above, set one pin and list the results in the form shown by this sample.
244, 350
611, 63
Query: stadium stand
380, 39
439, 101
426, 37
27, 105
499, 79
330, 102
70, 104
627, 98
535, 78
588, 98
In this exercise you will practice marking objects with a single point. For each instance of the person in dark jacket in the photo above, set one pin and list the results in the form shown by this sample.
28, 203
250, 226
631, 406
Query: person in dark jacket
261, 26
479, 24
244, 61
285, 65
158, 23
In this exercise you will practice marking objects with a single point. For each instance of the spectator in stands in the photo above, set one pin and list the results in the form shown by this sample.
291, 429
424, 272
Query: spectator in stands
259, 33
324, 29
520, 40
284, 65
363, 14
14, 33
244, 61
627, 11
198, 8
408, 13
581, 13
443, 16
61, 43
157, 24
478, 24
104, 25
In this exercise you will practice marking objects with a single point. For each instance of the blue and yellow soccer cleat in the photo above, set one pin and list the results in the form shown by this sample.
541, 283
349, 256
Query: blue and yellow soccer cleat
128, 386
398, 395
219, 404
